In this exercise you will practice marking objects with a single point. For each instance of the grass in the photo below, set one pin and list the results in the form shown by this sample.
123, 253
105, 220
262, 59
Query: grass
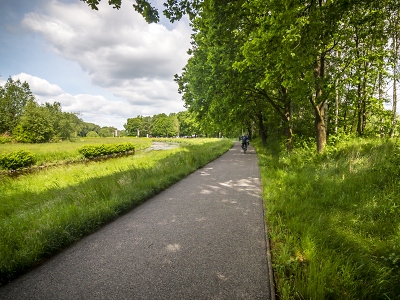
40, 213
66, 151
334, 220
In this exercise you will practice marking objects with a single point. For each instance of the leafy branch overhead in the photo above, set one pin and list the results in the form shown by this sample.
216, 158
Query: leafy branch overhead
174, 9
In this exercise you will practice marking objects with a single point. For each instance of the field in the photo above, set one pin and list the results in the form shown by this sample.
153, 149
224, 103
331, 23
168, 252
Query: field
334, 220
67, 152
43, 211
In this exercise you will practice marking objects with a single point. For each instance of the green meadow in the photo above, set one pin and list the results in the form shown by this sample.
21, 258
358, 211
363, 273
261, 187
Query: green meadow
66, 151
43, 211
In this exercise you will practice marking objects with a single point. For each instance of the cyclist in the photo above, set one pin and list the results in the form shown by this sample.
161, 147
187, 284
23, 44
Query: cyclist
245, 142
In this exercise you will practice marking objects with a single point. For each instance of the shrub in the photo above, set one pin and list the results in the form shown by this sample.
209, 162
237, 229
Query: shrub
5, 139
17, 160
92, 151
92, 134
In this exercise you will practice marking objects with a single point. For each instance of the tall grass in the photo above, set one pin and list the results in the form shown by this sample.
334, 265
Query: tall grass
43, 212
334, 220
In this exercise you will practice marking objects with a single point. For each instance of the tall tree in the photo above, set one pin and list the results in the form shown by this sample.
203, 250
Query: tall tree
393, 11
256, 61
13, 98
134, 126
162, 126
35, 124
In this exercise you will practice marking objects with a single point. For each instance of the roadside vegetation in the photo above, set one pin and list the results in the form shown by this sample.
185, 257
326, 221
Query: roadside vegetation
42, 212
334, 219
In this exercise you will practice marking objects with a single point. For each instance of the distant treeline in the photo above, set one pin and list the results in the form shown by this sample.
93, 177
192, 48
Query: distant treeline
24, 120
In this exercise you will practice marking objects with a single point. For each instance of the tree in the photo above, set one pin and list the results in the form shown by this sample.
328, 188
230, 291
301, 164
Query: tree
69, 125
279, 65
134, 126
107, 131
175, 123
188, 125
393, 11
13, 98
85, 128
92, 134
64, 124
34, 125
162, 126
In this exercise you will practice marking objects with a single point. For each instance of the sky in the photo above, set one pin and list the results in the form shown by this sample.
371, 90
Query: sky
107, 65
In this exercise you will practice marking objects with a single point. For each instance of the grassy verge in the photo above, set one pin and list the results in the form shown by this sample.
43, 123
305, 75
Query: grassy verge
44, 212
334, 220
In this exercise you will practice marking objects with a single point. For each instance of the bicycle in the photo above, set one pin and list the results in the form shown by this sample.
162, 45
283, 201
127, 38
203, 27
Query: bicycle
244, 147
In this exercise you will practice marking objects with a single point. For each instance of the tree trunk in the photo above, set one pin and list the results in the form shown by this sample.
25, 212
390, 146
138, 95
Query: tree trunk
336, 100
288, 119
380, 90
261, 129
359, 110
288, 129
320, 126
394, 107
364, 100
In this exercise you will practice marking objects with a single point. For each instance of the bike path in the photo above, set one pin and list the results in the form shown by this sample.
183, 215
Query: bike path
202, 238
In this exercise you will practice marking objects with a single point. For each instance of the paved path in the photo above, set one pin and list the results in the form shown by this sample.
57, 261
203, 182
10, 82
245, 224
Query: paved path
203, 238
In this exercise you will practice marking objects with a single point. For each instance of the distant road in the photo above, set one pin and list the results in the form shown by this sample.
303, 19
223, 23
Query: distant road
203, 238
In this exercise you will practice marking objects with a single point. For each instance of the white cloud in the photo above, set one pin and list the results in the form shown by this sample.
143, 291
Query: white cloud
38, 86
119, 52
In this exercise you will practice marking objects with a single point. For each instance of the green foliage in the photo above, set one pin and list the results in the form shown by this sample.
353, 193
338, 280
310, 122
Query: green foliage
13, 98
107, 131
149, 13
85, 128
163, 126
134, 126
5, 139
92, 134
282, 66
93, 151
17, 160
94, 3
34, 125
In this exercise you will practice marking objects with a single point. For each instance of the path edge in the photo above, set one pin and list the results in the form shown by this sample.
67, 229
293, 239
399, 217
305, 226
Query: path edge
267, 243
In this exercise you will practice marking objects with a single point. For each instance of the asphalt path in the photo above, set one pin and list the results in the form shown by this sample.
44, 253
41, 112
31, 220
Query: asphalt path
202, 238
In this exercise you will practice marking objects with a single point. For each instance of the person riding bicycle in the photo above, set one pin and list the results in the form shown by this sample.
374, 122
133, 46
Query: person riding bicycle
245, 141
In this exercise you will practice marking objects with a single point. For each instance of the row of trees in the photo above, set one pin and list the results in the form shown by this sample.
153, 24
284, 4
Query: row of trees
306, 68
300, 68
27, 121
182, 124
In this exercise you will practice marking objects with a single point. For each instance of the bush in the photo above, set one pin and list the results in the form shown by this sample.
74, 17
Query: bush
17, 160
5, 139
92, 134
92, 151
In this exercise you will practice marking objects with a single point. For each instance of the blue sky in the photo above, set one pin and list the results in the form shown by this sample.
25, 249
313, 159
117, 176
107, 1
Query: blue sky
107, 65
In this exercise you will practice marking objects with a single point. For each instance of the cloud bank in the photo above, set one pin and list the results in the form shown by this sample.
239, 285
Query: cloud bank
120, 53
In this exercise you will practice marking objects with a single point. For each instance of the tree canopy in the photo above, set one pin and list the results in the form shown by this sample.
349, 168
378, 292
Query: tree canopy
14, 96
289, 68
